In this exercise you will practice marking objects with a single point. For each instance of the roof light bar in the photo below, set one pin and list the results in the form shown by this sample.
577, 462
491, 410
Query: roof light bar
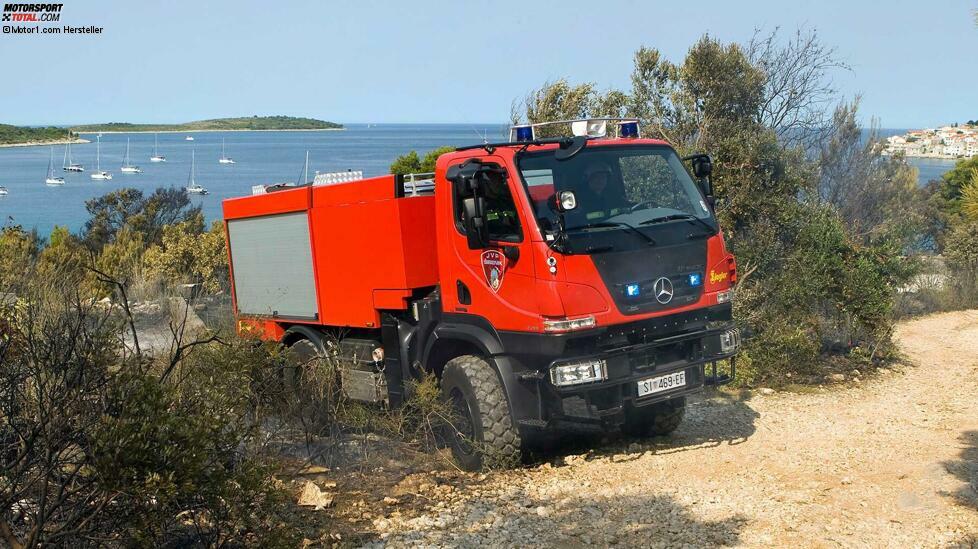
584, 127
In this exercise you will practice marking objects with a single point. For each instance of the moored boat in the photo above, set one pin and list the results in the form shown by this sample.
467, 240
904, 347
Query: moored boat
51, 179
99, 173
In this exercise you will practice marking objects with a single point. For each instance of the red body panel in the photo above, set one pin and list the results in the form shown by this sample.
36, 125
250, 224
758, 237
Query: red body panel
368, 240
371, 250
530, 293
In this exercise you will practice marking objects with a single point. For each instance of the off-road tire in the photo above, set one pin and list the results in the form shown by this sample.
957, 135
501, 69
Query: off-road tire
300, 393
655, 420
303, 352
495, 440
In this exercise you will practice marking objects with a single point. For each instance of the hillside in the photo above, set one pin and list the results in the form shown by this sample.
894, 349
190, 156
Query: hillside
10, 135
240, 123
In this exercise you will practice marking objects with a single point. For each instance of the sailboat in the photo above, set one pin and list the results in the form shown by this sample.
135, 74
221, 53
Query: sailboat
188, 138
99, 173
225, 159
68, 165
126, 166
304, 175
157, 157
51, 179
192, 186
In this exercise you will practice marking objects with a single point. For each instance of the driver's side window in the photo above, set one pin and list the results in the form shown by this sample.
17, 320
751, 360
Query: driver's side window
500, 210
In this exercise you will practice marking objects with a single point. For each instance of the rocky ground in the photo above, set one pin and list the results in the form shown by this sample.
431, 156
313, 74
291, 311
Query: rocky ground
889, 461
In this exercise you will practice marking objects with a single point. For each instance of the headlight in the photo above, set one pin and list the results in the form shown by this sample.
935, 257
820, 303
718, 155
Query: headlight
568, 325
730, 341
724, 296
579, 372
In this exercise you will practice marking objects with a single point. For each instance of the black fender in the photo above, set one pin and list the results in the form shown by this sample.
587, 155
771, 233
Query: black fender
524, 400
299, 331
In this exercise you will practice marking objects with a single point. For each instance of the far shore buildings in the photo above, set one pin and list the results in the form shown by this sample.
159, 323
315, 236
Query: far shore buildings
944, 142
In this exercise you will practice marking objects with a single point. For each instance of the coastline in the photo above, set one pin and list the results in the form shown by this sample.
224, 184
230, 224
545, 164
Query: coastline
42, 143
213, 130
934, 156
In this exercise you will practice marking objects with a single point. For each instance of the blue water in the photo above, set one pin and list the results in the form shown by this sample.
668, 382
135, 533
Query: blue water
261, 158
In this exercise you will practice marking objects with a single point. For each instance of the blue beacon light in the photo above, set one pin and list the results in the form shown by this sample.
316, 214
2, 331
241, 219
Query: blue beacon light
628, 129
695, 279
632, 290
524, 133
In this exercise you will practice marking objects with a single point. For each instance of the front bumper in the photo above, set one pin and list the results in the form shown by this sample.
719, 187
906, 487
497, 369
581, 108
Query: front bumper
627, 360
606, 401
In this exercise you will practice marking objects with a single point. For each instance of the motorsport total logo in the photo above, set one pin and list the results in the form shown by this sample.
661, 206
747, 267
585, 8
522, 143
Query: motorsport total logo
41, 15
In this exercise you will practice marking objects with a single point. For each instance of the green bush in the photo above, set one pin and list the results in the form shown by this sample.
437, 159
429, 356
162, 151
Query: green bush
99, 443
412, 163
961, 253
188, 254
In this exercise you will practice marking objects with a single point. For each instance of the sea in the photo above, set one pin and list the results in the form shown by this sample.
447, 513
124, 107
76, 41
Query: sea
261, 157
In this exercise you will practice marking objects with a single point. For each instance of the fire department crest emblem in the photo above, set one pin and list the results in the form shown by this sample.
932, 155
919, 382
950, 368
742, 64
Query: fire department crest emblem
494, 267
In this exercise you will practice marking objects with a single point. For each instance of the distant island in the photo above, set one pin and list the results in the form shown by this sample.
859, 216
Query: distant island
244, 123
15, 136
945, 142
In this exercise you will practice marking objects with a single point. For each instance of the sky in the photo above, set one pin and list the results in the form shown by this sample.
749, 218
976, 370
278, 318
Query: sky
914, 63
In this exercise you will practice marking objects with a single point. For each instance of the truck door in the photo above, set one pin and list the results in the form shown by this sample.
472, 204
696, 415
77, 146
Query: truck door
496, 282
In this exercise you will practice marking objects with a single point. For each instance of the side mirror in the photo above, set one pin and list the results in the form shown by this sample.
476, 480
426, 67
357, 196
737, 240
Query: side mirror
702, 166
476, 229
702, 169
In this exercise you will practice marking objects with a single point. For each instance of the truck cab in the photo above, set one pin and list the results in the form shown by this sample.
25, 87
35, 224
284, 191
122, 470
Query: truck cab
572, 281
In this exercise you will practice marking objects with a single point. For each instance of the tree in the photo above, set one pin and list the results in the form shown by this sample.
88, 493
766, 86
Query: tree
797, 90
953, 184
412, 163
187, 254
876, 195
961, 253
969, 196
17, 249
145, 215
814, 276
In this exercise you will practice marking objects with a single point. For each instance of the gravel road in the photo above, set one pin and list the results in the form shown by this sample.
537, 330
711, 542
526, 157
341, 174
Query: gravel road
887, 462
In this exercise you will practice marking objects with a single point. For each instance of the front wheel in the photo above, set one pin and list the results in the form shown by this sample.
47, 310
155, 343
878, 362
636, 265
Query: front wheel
481, 432
658, 419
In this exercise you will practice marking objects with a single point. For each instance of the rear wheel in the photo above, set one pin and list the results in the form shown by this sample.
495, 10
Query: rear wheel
657, 419
482, 432
304, 352
305, 380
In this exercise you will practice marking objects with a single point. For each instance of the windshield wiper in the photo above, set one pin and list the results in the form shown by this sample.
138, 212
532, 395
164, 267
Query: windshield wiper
614, 224
684, 217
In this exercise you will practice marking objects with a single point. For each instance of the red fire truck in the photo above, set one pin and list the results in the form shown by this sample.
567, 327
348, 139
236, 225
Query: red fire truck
549, 282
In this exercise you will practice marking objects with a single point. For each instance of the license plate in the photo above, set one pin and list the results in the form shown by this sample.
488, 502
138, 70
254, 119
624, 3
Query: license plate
661, 383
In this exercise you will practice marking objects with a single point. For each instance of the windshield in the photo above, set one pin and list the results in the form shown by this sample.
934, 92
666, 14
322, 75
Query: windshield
617, 188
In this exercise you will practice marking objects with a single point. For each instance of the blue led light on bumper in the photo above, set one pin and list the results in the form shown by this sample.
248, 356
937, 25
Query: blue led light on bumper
632, 290
695, 279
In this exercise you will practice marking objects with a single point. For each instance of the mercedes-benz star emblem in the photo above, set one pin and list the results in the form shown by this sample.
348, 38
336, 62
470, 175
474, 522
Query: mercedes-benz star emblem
663, 290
